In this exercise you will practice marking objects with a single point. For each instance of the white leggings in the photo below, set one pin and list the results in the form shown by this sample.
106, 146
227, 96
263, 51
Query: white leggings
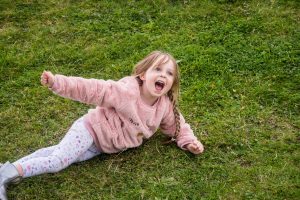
76, 146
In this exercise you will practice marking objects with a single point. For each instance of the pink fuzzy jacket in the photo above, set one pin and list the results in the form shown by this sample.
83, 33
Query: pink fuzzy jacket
121, 119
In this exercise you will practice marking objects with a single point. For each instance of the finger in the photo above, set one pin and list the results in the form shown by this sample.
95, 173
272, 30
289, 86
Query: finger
196, 149
44, 79
192, 147
46, 74
43, 83
200, 146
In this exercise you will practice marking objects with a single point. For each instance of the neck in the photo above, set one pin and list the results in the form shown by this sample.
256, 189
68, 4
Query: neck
146, 97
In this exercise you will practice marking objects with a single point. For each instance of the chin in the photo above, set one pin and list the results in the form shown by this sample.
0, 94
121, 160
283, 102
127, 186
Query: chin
159, 95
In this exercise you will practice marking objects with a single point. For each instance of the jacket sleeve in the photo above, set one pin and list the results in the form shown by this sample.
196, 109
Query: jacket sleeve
90, 91
168, 127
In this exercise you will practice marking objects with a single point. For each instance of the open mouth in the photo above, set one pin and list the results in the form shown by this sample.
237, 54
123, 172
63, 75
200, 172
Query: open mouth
159, 85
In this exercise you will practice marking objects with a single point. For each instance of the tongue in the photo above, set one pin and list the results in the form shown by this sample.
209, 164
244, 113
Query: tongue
158, 87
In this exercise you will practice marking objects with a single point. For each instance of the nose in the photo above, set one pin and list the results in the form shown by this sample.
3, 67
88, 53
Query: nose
163, 75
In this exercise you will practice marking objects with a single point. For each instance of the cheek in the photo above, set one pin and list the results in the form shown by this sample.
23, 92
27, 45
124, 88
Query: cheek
148, 82
170, 85
172, 80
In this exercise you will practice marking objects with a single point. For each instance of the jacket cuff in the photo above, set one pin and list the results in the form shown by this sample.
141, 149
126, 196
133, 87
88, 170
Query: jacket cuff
182, 144
55, 84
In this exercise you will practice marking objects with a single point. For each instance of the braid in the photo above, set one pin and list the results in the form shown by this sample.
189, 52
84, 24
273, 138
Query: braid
176, 114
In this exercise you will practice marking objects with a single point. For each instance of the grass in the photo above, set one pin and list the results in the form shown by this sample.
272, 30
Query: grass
239, 92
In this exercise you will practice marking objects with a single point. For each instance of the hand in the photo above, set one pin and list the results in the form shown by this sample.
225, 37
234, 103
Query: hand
195, 147
47, 79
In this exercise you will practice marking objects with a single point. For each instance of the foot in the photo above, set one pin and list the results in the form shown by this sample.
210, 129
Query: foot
8, 173
3, 195
15, 181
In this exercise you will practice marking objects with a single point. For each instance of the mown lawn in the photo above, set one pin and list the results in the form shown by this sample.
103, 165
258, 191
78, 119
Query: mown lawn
240, 92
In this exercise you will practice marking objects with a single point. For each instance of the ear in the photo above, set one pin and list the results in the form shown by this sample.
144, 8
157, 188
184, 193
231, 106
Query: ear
142, 76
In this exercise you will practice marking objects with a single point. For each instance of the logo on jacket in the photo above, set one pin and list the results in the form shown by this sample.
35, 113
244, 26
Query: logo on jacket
133, 122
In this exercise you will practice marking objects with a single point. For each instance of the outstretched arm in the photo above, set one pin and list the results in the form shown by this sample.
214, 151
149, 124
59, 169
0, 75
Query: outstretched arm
91, 91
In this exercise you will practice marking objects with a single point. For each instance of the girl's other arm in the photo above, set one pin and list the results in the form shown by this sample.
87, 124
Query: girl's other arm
186, 139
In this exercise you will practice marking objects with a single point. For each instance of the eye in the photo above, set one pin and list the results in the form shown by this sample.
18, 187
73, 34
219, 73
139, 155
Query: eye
157, 69
170, 73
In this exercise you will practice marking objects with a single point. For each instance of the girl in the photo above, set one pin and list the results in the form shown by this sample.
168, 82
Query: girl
128, 111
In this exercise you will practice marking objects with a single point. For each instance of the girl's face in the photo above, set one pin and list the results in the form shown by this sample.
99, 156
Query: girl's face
158, 79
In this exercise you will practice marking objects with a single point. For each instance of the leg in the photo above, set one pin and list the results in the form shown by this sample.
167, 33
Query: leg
90, 153
75, 144
44, 152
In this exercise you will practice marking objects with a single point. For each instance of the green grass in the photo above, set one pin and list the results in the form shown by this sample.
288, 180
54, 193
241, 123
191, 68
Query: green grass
239, 91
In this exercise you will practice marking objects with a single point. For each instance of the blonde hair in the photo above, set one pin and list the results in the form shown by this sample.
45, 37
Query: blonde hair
161, 58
